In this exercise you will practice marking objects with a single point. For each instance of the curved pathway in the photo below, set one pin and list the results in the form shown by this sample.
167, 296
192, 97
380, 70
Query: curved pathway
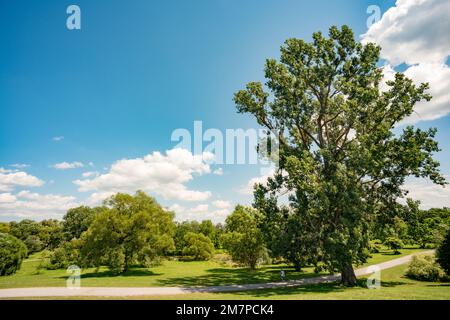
162, 291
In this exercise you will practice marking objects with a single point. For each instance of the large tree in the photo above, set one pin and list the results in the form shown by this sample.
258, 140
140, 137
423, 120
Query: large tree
130, 230
77, 220
340, 160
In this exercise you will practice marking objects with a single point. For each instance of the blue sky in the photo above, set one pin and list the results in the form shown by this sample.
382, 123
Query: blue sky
136, 71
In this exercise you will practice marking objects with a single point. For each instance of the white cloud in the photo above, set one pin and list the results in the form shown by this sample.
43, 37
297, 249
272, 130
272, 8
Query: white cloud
416, 33
7, 198
97, 198
221, 204
19, 165
438, 76
68, 165
163, 175
26, 204
262, 179
218, 172
199, 213
9, 179
90, 174
429, 194
59, 138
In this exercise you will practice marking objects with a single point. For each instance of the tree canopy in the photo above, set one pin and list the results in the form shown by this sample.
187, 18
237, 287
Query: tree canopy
130, 230
243, 239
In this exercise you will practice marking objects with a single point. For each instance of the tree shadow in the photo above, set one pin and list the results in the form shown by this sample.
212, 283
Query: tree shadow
334, 287
110, 274
236, 276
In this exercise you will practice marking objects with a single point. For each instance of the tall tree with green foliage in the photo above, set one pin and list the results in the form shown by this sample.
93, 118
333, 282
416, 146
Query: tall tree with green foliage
243, 239
77, 220
131, 230
443, 254
198, 246
12, 253
339, 159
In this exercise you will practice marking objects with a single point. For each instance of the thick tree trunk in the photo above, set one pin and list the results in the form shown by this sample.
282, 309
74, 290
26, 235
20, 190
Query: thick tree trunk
348, 277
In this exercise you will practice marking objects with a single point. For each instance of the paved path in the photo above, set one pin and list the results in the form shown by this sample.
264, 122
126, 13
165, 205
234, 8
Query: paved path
163, 291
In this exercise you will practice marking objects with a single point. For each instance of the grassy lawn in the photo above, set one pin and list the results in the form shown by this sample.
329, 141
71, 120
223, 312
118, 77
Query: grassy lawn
169, 273
394, 287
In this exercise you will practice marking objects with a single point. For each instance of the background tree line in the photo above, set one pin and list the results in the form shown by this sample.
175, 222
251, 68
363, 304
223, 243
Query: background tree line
134, 230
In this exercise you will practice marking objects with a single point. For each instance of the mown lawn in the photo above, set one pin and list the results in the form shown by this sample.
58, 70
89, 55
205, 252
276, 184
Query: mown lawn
394, 286
169, 273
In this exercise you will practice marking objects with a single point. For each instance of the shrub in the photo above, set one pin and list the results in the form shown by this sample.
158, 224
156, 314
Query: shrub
394, 243
67, 254
34, 244
12, 252
443, 254
424, 268
199, 246
375, 246
243, 239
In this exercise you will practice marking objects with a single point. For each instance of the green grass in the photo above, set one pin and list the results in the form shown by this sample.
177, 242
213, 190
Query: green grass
395, 286
170, 273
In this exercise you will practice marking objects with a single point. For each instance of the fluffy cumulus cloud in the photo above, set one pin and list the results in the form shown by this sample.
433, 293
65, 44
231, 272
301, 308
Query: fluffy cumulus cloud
10, 179
416, 33
429, 194
217, 213
26, 204
68, 165
221, 204
157, 174
7, 198
248, 188
90, 174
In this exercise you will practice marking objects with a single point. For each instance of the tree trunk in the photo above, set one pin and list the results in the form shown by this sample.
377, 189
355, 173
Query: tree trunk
297, 266
348, 277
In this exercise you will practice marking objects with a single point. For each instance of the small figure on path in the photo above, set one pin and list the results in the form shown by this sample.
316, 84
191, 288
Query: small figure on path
282, 275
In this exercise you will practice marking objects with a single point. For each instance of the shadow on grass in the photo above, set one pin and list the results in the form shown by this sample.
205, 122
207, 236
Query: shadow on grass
110, 274
228, 276
315, 288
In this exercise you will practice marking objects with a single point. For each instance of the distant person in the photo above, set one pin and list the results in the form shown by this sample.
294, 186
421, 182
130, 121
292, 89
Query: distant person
282, 275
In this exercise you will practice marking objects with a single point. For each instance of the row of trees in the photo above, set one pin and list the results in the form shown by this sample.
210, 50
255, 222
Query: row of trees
135, 230
127, 230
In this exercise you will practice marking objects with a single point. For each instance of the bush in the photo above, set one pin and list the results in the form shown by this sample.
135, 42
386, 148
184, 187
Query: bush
67, 254
34, 244
375, 246
394, 243
424, 268
443, 254
12, 253
243, 239
199, 246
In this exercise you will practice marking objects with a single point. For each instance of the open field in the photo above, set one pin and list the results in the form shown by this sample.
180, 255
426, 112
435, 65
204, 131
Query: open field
170, 273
